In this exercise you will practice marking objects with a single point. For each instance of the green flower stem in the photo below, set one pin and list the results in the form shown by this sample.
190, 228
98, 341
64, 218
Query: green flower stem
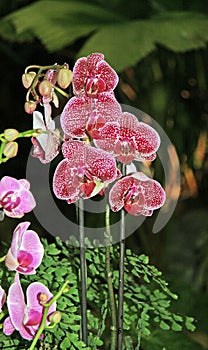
1, 151
2, 258
83, 272
2, 314
45, 314
110, 283
63, 93
30, 133
121, 275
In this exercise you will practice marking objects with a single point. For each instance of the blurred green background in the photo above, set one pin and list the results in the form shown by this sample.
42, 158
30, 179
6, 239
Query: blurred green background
159, 49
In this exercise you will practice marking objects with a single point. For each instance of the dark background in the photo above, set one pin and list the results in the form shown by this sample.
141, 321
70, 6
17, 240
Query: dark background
163, 71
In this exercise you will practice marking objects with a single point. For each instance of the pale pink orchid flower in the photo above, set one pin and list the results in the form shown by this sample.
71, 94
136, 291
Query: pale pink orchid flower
137, 194
47, 144
26, 251
15, 197
26, 317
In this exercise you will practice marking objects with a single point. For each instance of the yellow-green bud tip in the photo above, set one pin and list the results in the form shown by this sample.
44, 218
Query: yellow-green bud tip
64, 78
43, 297
11, 134
55, 317
30, 107
27, 79
10, 149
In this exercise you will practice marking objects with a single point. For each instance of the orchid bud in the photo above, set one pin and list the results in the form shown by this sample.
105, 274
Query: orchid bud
11, 134
43, 297
10, 149
55, 317
27, 79
45, 88
30, 106
64, 78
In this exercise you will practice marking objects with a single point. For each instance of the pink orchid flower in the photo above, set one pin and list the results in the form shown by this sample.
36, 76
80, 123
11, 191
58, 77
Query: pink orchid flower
128, 139
2, 297
46, 145
93, 75
15, 197
26, 318
137, 194
26, 251
83, 172
81, 114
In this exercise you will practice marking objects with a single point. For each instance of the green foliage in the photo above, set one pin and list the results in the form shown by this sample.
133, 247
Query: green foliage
147, 298
60, 23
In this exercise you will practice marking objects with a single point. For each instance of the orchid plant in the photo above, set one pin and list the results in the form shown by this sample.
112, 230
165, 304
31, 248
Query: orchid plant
99, 144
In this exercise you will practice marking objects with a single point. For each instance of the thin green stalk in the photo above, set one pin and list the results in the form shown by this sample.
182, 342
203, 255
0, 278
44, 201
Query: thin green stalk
110, 283
83, 273
45, 314
121, 275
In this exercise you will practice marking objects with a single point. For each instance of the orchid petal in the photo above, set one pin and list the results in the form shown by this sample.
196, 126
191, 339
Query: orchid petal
8, 327
138, 194
16, 304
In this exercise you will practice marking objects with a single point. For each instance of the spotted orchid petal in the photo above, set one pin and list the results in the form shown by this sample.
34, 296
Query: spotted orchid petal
92, 75
15, 197
82, 114
128, 139
26, 251
82, 170
137, 194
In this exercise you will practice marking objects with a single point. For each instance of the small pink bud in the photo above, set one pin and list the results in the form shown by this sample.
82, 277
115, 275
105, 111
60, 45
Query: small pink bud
11, 134
55, 317
43, 297
10, 149
30, 106
45, 88
27, 79
64, 78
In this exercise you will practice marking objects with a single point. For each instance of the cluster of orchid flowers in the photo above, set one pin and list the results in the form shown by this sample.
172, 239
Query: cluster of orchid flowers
98, 138
24, 257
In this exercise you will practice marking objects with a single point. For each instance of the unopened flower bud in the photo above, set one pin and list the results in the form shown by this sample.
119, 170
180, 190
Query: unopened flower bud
43, 297
10, 149
55, 317
30, 106
27, 79
64, 78
45, 88
11, 134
